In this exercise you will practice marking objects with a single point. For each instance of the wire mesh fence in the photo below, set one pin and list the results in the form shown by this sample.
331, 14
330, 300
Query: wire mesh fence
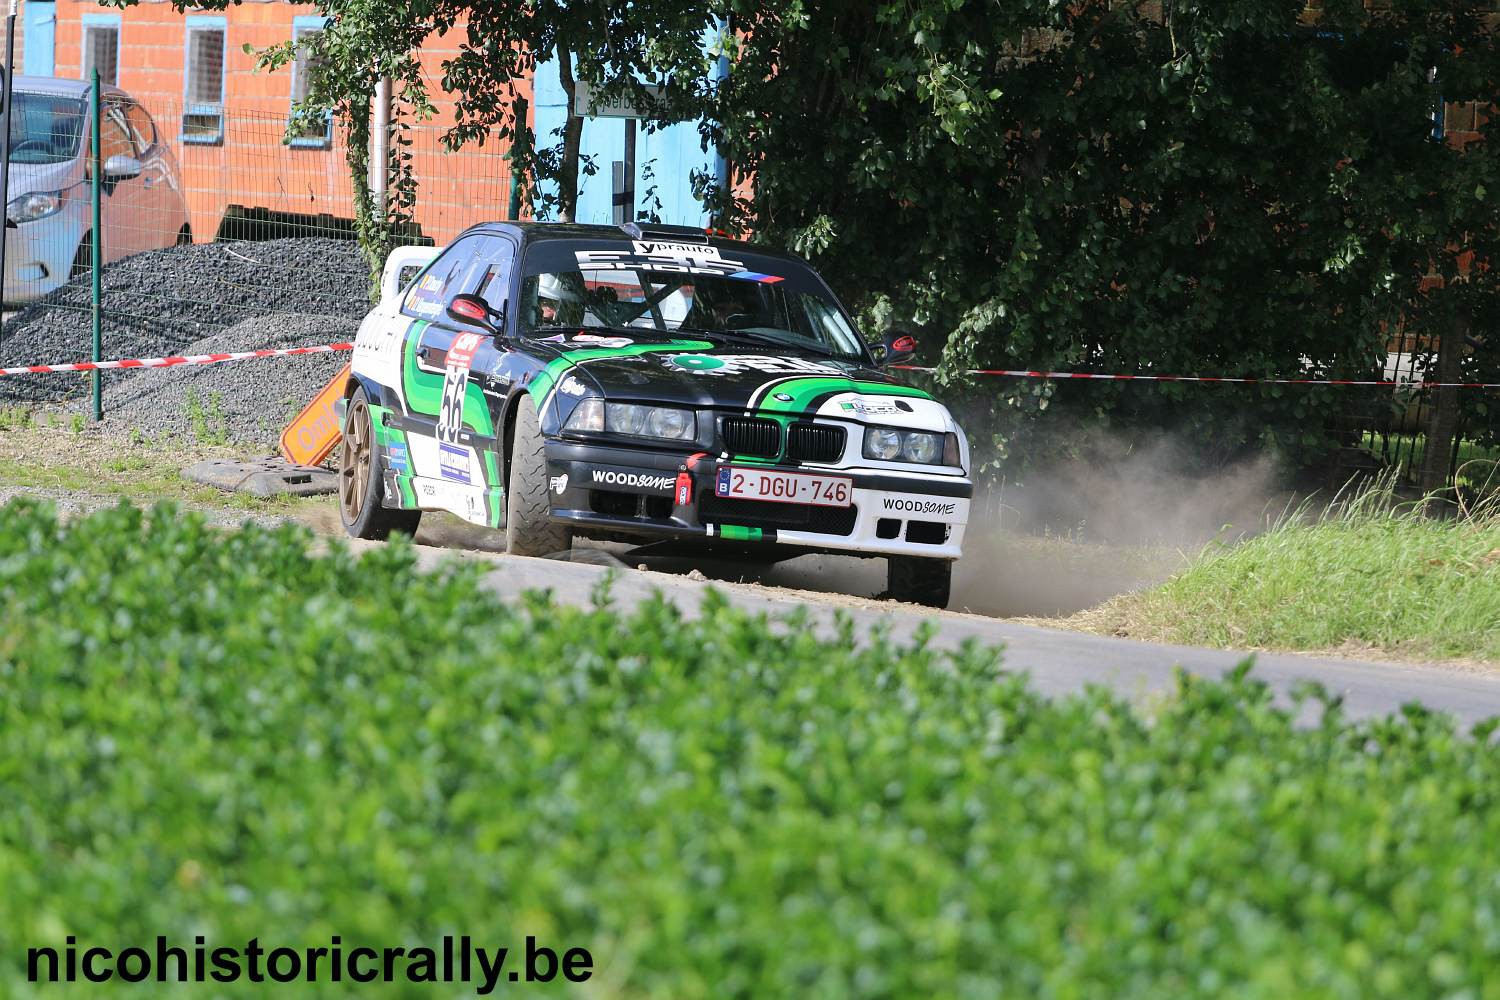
221, 231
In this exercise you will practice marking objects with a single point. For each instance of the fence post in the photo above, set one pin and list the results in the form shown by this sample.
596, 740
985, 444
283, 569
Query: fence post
10, 72
97, 245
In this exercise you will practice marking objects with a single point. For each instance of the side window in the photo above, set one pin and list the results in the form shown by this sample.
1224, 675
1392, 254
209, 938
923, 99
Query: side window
114, 135
428, 296
142, 128
490, 278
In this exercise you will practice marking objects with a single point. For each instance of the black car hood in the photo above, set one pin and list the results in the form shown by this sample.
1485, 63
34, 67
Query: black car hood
697, 374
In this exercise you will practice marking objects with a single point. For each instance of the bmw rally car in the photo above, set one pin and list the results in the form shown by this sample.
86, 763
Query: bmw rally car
650, 384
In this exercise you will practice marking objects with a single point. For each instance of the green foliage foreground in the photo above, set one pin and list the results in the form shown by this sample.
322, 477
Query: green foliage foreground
223, 734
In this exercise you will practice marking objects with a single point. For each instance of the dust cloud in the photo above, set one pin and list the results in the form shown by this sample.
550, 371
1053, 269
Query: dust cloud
1124, 516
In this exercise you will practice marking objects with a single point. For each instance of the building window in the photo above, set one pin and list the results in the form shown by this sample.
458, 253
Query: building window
316, 131
101, 48
203, 83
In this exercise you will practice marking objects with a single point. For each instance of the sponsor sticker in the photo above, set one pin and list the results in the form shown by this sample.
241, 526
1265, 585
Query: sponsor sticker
648, 255
570, 386
639, 480
597, 341
395, 457
873, 407
559, 483
734, 364
910, 505
456, 386
454, 463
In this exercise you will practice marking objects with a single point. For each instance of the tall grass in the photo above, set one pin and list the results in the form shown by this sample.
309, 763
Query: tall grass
1414, 578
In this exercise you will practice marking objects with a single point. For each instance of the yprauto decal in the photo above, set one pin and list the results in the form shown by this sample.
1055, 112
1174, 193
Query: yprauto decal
647, 255
570, 386
734, 364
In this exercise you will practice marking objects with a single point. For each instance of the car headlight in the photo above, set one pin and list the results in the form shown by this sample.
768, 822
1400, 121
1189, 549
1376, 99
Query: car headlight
30, 207
588, 415
650, 421
666, 422
889, 444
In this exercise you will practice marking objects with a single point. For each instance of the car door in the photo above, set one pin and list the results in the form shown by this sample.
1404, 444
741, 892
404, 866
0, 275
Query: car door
124, 208
163, 213
450, 421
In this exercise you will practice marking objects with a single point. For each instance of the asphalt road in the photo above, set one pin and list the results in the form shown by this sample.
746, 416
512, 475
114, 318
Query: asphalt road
1058, 662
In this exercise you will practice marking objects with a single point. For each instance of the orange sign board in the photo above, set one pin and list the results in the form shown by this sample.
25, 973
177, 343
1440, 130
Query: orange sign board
314, 432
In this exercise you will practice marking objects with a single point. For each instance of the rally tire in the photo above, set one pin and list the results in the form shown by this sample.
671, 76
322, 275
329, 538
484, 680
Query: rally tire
361, 479
529, 528
916, 580
83, 258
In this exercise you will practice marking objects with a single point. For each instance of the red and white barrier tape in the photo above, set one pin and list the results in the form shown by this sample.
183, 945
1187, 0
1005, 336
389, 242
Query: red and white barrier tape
1018, 373
179, 359
286, 352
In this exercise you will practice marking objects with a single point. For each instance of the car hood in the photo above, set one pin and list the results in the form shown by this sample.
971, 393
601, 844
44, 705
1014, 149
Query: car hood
699, 374
28, 177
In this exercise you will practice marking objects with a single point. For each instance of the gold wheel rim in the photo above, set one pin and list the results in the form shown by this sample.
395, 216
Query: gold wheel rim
354, 462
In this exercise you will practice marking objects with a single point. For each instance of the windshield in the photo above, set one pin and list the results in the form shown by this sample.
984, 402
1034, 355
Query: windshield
682, 288
44, 128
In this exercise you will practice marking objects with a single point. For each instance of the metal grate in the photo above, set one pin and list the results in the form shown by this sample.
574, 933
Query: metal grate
751, 436
815, 443
789, 516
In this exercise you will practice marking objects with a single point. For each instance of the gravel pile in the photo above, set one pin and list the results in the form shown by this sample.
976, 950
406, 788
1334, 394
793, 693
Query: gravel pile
167, 301
244, 402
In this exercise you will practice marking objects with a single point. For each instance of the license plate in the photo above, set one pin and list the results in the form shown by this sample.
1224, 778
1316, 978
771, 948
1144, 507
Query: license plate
784, 487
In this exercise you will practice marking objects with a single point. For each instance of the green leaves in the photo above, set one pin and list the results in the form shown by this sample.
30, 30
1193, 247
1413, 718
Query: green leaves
1214, 190
221, 733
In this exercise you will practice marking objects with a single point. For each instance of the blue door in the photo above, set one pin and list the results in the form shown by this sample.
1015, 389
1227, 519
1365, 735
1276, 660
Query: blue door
39, 32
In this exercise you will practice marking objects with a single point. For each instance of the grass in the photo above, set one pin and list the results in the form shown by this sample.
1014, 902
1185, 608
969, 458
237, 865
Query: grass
237, 734
1369, 573
91, 465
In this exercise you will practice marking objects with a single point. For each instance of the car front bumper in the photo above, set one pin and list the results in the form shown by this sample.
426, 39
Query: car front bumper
640, 492
39, 255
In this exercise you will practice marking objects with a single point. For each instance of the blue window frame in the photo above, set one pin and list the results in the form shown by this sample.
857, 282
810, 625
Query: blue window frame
101, 48
204, 54
314, 134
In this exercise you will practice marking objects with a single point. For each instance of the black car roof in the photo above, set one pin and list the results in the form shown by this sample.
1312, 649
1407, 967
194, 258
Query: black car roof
537, 232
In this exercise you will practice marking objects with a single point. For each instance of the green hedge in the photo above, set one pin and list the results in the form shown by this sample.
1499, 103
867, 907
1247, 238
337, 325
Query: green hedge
224, 734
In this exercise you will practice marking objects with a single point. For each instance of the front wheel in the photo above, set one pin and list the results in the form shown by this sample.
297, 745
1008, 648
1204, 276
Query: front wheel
360, 480
529, 529
83, 259
916, 580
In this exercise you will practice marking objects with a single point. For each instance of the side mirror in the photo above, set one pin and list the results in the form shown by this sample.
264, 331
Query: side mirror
121, 168
471, 310
899, 347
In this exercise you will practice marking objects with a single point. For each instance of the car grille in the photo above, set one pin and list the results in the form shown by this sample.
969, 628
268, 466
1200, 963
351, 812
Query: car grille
790, 516
751, 436
815, 443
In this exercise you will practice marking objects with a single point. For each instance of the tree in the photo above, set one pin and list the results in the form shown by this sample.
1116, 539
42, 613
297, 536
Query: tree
1228, 188
616, 47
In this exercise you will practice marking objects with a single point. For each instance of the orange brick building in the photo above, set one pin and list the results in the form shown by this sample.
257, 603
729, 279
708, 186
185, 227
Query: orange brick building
227, 122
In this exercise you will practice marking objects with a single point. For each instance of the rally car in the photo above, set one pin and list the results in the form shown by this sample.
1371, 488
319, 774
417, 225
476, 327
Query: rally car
651, 384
